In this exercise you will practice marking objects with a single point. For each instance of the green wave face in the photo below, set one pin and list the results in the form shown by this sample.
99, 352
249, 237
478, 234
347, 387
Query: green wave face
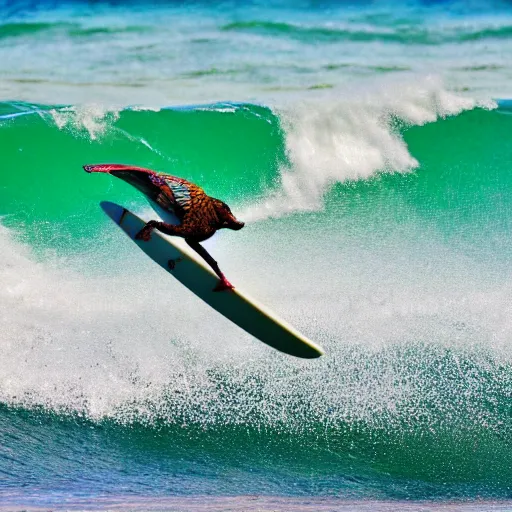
403, 277
237, 152
461, 188
234, 151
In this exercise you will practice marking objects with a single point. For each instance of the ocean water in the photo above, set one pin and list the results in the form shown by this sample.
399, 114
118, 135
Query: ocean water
367, 146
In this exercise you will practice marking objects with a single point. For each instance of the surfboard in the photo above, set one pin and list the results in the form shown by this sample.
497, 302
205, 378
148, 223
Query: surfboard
191, 271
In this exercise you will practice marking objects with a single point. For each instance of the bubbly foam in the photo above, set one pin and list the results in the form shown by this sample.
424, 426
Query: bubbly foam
130, 343
93, 120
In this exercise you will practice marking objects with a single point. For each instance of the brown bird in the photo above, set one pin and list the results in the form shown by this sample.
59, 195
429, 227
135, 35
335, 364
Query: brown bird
190, 212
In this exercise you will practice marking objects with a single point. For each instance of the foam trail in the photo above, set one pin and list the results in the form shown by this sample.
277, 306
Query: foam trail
351, 138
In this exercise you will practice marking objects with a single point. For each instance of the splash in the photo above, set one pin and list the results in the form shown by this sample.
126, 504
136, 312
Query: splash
91, 120
339, 140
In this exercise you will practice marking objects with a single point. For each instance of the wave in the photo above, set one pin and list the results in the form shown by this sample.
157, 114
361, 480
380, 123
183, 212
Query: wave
280, 161
19, 29
416, 25
393, 254
401, 33
349, 139
406, 423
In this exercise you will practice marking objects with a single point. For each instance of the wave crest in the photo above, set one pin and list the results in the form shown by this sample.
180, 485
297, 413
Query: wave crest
342, 139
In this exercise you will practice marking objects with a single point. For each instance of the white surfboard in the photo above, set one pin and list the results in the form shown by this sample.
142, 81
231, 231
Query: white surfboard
190, 270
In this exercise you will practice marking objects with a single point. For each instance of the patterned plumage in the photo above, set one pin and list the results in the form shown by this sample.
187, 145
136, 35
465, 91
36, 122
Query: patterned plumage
196, 210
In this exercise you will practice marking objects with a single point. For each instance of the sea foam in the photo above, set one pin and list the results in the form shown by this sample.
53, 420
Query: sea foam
346, 137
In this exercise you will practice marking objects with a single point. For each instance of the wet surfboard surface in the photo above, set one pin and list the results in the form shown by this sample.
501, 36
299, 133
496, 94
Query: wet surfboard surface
190, 270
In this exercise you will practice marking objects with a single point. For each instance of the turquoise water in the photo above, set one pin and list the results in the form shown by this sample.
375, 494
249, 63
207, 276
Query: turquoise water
367, 151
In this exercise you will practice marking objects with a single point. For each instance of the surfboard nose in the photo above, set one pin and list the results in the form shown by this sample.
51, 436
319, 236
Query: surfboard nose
113, 210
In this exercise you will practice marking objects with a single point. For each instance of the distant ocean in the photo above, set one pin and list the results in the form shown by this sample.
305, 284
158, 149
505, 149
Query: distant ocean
368, 147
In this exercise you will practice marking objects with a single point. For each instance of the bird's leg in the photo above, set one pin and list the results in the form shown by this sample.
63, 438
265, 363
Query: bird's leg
223, 284
168, 229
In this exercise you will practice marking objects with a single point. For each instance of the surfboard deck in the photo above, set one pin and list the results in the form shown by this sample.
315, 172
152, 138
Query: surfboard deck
190, 270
